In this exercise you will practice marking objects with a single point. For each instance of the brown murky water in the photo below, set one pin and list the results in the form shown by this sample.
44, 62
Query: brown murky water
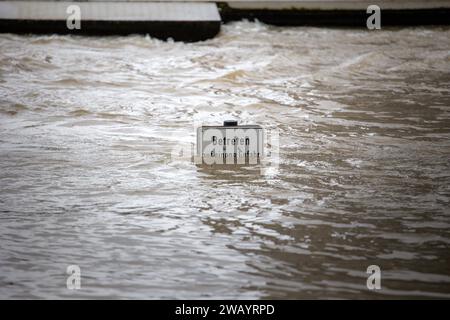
88, 125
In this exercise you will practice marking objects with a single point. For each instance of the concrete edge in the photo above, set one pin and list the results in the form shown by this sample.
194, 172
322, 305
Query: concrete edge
348, 18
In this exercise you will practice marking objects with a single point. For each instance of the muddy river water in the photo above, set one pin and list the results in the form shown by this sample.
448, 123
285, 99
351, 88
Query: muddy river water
88, 126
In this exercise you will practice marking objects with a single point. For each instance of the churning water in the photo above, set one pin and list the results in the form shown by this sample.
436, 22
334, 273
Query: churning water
87, 129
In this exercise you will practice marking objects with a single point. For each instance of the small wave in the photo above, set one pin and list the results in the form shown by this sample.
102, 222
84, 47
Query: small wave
69, 82
365, 61
13, 109
233, 76
80, 113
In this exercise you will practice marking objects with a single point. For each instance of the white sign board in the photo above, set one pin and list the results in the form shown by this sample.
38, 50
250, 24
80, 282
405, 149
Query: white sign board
229, 144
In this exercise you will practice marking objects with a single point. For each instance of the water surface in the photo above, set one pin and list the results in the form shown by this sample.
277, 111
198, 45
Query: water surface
87, 130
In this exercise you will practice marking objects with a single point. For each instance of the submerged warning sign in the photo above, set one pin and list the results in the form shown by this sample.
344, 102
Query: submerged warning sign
229, 144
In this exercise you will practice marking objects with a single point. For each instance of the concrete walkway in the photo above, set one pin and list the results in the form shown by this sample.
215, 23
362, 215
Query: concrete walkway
180, 21
193, 20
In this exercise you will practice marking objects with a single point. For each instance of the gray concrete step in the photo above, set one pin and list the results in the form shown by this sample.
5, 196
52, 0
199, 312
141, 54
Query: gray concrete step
181, 21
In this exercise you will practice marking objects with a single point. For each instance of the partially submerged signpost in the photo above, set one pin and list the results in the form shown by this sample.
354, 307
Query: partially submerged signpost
229, 144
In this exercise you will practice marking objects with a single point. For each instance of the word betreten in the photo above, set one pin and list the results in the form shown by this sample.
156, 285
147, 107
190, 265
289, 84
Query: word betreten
230, 141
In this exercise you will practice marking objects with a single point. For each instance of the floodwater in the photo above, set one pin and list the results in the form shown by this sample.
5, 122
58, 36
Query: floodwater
88, 126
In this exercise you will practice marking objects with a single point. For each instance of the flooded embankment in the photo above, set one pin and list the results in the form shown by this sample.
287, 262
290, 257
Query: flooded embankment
87, 129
